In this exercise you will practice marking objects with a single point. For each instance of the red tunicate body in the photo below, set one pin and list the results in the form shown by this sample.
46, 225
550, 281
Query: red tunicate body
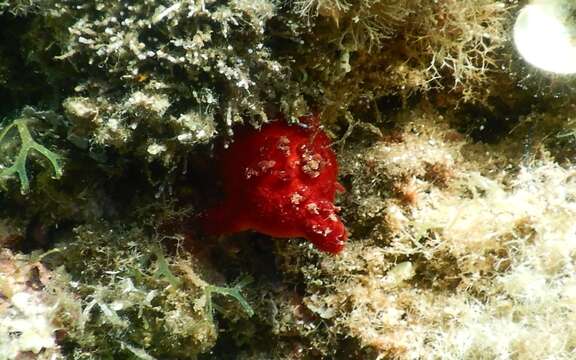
280, 180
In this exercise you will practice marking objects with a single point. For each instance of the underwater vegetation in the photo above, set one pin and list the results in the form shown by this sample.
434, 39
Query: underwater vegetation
129, 305
27, 145
138, 137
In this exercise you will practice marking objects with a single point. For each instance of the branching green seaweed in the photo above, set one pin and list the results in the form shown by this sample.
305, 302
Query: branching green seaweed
27, 145
163, 268
233, 291
163, 271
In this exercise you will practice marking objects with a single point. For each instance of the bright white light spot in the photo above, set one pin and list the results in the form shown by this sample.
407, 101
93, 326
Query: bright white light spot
545, 35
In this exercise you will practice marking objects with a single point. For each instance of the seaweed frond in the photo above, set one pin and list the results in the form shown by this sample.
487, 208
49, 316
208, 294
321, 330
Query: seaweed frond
28, 144
234, 292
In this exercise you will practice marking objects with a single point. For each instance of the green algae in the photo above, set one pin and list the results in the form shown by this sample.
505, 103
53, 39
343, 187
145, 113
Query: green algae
27, 146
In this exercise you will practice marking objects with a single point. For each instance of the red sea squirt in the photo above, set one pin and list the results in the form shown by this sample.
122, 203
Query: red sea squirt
280, 180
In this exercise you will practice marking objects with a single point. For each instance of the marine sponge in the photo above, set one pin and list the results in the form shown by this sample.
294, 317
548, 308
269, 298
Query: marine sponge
280, 180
